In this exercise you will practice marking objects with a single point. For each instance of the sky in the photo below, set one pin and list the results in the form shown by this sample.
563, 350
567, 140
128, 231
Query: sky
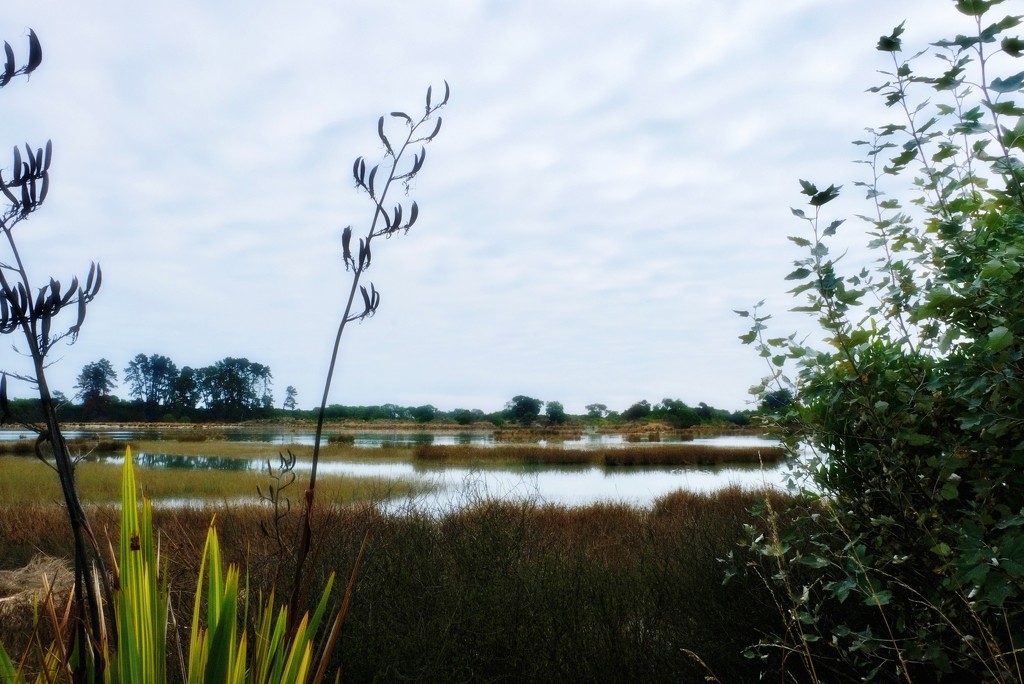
612, 179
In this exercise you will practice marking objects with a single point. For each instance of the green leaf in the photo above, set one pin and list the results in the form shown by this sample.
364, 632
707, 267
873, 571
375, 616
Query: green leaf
973, 8
1013, 569
901, 160
830, 229
798, 274
816, 562
892, 42
1012, 46
990, 33
1000, 338
879, 598
1008, 85
825, 196
1006, 108
799, 241
916, 438
842, 589
859, 337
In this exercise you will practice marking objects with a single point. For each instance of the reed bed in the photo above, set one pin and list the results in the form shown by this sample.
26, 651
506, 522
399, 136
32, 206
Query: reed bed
333, 450
29, 481
492, 591
28, 447
535, 434
662, 455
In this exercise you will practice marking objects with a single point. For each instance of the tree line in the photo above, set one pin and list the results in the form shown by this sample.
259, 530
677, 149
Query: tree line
237, 389
230, 389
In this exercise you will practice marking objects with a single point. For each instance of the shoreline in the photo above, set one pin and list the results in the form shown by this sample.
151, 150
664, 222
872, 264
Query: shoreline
642, 429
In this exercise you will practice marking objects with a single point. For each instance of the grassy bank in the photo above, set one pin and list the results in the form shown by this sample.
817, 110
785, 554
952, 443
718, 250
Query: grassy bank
663, 455
29, 481
494, 591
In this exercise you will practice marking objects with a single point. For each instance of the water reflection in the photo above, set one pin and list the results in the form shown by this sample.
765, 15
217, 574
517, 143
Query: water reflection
147, 460
116, 435
453, 487
456, 486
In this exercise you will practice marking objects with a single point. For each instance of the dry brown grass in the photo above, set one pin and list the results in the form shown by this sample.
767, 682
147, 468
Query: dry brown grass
21, 589
494, 591
663, 455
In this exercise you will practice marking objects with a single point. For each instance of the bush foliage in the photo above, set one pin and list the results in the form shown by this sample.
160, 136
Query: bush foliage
913, 411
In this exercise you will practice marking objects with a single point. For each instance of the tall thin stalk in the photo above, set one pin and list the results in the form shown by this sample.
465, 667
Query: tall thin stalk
385, 223
31, 313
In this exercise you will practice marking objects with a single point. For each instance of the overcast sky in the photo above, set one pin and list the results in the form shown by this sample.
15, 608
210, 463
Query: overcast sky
612, 179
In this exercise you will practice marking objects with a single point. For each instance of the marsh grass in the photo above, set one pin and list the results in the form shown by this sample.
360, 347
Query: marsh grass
28, 481
333, 450
77, 447
662, 455
495, 590
534, 434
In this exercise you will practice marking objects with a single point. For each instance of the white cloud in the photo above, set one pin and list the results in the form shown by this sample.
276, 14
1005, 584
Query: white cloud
608, 184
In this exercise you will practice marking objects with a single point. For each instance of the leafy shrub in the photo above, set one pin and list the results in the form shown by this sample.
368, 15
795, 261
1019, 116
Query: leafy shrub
912, 411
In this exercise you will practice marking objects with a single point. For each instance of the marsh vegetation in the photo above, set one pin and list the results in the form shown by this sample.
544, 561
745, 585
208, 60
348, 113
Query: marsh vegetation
603, 593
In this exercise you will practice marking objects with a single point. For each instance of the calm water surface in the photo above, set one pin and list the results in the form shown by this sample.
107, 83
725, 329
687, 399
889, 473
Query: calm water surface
456, 486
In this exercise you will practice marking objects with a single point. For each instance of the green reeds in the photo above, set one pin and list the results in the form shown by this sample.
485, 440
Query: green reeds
219, 650
141, 600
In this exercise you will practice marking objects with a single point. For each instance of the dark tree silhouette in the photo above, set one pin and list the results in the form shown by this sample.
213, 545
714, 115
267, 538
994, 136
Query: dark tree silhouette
94, 384
234, 388
151, 379
523, 409
290, 393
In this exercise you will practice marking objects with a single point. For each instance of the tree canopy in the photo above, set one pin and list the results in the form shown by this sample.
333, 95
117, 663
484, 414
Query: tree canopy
523, 409
94, 385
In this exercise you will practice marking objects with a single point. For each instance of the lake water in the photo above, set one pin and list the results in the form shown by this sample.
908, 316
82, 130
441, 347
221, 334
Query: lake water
455, 486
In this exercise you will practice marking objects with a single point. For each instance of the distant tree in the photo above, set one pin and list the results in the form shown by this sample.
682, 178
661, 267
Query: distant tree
424, 414
555, 412
462, 416
741, 418
523, 409
185, 392
596, 410
151, 379
776, 400
637, 411
94, 385
289, 398
677, 413
235, 388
